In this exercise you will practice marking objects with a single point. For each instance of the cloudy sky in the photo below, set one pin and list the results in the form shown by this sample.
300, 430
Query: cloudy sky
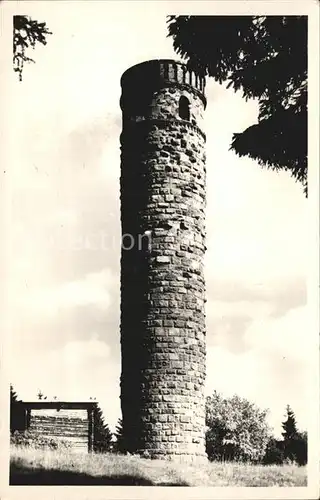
65, 229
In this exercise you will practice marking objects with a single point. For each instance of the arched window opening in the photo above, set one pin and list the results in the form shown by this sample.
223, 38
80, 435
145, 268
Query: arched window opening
184, 108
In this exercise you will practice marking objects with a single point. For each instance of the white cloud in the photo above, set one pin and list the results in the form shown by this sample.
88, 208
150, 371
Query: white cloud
75, 352
94, 290
221, 309
289, 336
275, 370
253, 241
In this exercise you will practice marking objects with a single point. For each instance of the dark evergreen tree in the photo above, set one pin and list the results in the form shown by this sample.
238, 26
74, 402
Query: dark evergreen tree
265, 57
119, 446
17, 422
13, 395
290, 436
293, 447
289, 425
102, 433
26, 33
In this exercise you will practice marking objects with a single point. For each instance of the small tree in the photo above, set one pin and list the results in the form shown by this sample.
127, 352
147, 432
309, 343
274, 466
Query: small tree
289, 425
13, 395
294, 442
102, 433
289, 433
40, 395
236, 429
119, 446
16, 412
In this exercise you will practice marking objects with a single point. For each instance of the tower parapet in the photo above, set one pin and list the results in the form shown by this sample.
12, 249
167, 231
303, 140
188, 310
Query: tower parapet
165, 71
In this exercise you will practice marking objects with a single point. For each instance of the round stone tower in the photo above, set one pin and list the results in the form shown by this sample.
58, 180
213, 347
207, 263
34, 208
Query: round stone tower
163, 179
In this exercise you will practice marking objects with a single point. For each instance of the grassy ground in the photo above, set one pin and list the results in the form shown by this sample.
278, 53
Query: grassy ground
30, 466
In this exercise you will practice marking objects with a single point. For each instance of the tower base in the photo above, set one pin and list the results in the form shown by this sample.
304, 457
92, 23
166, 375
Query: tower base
181, 458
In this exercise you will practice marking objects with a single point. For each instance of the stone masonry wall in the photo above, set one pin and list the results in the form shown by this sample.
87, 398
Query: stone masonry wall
163, 180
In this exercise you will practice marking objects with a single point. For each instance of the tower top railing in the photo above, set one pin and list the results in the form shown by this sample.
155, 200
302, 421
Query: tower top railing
165, 71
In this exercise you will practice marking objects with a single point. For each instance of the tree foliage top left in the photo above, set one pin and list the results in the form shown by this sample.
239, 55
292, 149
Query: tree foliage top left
26, 33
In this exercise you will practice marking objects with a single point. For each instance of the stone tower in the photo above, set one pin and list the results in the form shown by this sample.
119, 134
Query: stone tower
163, 179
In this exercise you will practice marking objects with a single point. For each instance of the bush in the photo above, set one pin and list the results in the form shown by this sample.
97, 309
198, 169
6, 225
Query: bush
236, 429
298, 448
28, 439
290, 451
274, 452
